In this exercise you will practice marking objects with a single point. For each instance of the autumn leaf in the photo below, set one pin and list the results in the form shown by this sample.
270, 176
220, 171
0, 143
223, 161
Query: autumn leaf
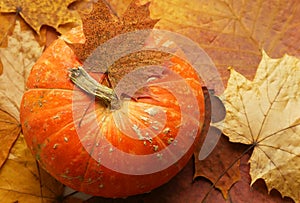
221, 166
45, 34
224, 175
264, 113
242, 191
38, 13
6, 27
108, 25
9, 131
22, 181
182, 189
17, 59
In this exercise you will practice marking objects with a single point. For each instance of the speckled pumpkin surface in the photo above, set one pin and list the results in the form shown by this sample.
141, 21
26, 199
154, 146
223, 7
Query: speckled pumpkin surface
111, 153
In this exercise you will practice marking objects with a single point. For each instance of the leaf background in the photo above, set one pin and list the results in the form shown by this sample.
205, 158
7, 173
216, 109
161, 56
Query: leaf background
17, 58
20, 177
233, 34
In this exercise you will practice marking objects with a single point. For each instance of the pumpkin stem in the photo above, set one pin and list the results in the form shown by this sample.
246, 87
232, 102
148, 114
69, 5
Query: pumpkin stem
84, 81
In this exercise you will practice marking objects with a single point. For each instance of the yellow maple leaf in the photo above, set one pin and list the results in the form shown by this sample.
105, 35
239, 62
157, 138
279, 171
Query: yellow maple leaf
9, 131
21, 180
265, 113
17, 59
43, 12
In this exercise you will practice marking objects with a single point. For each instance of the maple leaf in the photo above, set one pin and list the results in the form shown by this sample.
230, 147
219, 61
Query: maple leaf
265, 114
17, 59
182, 189
32, 184
9, 131
109, 25
223, 175
8, 21
243, 192
207, 151
6, 27
22, 181
38, 13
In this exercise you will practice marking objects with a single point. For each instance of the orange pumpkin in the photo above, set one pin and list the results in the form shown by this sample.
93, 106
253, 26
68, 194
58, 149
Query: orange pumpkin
103, 151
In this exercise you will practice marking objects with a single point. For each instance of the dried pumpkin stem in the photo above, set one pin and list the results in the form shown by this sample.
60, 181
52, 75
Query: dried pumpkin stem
84, 81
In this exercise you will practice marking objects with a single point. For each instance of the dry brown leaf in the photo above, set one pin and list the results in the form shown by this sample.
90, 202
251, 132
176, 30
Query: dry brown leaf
265, 113
7, 25
101, 25
222, 174
42, 36
17, 59
221, 167
8, 21
22, 181
38, 13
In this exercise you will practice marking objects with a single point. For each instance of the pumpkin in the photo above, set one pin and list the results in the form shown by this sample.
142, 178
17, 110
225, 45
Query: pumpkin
89, 140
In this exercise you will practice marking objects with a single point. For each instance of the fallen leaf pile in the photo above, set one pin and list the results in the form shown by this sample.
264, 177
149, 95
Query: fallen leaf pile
256, 159
53, 13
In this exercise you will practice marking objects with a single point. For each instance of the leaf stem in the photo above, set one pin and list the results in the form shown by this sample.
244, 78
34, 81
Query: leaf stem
85, 82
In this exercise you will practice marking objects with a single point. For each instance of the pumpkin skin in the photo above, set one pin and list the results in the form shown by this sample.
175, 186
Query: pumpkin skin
69, 152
